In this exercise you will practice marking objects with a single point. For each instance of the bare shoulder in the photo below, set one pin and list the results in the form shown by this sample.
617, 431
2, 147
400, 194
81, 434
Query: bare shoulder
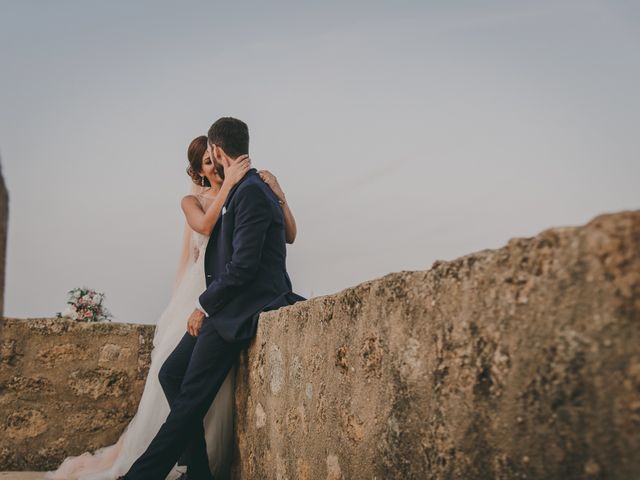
189, 200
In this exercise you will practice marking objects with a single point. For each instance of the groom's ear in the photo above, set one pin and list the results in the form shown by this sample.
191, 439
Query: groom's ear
221, 155
217, 152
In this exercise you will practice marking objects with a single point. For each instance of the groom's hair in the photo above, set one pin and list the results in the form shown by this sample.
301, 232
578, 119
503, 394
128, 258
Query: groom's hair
230, 134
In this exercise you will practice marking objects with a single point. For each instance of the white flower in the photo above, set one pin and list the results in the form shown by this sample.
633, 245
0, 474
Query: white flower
76, 294
74, 315
97, 298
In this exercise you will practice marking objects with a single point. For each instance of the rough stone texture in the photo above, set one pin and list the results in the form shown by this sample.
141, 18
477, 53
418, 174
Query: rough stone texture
21, 475
67, 387
521, 362
4, 223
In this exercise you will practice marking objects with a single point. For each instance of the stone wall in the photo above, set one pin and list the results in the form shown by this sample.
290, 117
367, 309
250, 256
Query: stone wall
521, 362
67, 387
4, 223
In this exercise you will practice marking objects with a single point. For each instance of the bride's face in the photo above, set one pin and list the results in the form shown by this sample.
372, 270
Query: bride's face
209, 169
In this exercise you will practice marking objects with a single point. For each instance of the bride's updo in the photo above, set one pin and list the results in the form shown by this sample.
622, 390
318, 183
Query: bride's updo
196, 151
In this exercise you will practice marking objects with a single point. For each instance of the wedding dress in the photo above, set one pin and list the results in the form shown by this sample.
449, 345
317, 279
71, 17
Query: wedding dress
107, 463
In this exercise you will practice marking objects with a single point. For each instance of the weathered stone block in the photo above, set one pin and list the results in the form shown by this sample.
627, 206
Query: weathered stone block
520, 362
67, 387
25, 424
59, 354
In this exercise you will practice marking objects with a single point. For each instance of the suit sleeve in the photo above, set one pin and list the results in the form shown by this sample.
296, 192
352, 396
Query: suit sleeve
199, 307
252, 218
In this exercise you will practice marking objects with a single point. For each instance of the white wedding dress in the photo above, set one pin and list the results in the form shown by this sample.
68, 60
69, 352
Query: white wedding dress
107, 463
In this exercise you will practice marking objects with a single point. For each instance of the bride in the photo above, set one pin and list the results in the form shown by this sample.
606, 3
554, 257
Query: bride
202, 209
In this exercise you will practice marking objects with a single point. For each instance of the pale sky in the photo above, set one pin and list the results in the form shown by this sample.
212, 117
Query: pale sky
401, 132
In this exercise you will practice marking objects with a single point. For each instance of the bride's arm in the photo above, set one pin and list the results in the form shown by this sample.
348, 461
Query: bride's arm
203, 221
289, 221
200, 220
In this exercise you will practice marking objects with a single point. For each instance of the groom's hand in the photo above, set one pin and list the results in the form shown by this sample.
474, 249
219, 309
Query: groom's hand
195, 322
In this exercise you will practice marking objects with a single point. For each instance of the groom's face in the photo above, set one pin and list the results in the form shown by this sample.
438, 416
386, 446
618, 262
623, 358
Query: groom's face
213, 150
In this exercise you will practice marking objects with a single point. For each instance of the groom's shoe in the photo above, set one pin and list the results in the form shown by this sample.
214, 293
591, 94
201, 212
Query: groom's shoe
186, 476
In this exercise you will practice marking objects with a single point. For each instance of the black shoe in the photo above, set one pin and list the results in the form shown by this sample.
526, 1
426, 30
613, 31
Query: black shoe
186, 476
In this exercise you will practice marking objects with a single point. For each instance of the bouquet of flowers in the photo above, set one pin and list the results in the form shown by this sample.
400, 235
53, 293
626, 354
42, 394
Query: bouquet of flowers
85, 305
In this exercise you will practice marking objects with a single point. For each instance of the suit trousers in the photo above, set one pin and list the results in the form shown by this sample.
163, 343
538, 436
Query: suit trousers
190, 377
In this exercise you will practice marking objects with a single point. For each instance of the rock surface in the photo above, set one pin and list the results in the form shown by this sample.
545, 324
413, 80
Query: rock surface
4, 224
520, 362
67, 387
22, 475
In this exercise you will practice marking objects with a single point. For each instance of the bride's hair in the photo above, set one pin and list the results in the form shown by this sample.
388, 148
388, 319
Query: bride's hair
195, 152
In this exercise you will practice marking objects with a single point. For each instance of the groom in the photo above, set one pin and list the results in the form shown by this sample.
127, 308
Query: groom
245, 274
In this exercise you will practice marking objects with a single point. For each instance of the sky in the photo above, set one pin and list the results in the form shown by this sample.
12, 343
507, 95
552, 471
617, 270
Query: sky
401, 132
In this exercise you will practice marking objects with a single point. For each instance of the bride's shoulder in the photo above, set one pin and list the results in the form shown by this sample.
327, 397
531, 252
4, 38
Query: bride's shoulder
189, 200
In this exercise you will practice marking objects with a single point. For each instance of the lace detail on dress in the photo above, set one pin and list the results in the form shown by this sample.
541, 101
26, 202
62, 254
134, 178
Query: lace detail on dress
198, 244
198, 240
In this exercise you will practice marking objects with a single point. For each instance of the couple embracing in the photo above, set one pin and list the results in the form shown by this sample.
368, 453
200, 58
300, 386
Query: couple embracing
233, 268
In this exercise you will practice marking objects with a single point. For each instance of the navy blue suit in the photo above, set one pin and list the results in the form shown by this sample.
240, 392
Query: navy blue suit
245, 274
244, 262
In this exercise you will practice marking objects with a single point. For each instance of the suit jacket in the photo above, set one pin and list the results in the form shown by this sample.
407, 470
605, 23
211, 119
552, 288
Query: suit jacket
245, 261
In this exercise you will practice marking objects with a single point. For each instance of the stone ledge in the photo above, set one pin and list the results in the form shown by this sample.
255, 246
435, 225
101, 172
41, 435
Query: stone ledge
520, 362
22, 475
67, 387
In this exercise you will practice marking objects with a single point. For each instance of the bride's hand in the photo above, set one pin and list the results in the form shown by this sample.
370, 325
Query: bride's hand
271, 180
235, 172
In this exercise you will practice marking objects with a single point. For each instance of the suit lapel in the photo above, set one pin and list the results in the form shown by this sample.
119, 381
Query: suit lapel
214, 239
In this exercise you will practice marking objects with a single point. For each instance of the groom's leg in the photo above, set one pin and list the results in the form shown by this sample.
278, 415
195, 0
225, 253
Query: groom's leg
170, 376
175, 366
209, 364
195, 456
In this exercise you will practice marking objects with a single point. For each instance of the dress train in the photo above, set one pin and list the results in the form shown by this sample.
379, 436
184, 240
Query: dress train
107, 463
